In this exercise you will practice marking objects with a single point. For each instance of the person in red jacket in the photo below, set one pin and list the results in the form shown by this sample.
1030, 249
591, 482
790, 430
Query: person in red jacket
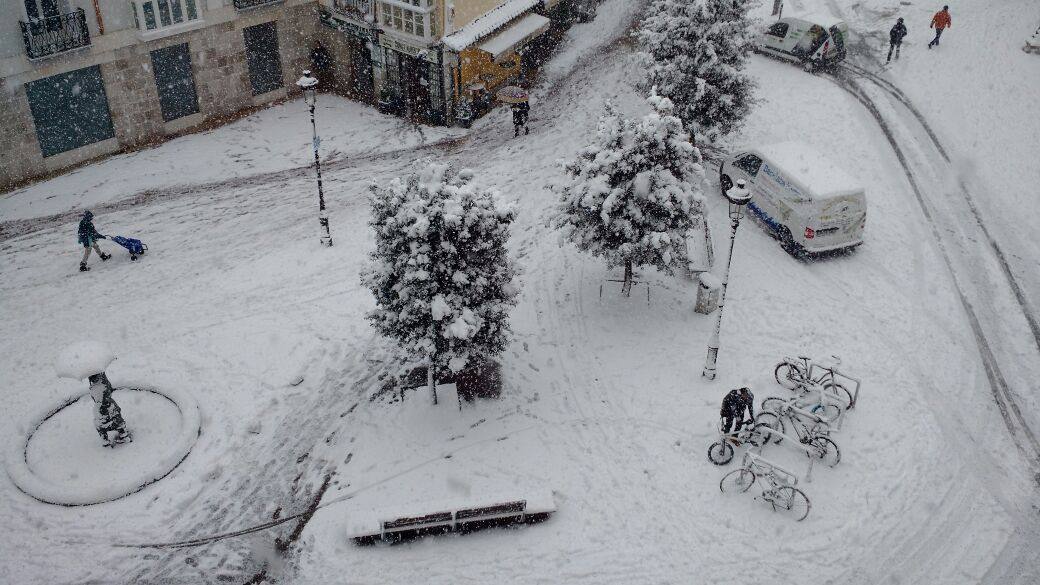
940, 22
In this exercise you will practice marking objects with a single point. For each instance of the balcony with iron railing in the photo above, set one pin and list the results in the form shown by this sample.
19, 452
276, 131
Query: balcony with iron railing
249, 4
54, 35
356, 9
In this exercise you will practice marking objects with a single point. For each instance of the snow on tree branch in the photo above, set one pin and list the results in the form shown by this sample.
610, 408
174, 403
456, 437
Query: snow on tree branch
440, 274
695, 52
633, 194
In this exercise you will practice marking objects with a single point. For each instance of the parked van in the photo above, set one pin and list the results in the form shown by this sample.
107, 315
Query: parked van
810, 204
812, 40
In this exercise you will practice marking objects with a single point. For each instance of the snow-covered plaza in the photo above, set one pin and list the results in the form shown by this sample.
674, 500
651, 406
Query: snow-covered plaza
238, 306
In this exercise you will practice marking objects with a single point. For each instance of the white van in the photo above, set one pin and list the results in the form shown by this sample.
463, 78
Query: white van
810, 204
812, 40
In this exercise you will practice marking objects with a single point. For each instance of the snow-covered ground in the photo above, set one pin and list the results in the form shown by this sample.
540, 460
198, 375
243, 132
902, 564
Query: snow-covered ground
603, 402
273, 139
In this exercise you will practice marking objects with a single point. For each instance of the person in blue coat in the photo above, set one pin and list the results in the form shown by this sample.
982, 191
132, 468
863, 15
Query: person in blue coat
88, 237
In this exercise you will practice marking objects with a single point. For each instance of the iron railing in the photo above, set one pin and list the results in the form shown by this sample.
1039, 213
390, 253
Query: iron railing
358, 9
247, 4
55, 34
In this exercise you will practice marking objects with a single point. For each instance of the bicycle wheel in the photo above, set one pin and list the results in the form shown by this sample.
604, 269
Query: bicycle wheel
773, 403
841, 392
828, 451
791, 501
773, 421
737, 481
788, 375
720, 453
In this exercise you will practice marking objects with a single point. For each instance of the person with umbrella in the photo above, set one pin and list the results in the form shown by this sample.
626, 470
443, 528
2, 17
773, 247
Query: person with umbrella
517, 97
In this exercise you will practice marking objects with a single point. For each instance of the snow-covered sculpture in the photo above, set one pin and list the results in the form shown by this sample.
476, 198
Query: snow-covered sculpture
632, 195
89, 359
695, 53
440, 274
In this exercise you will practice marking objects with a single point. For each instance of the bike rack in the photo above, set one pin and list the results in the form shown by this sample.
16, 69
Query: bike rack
783, 475
794, 442
838, 377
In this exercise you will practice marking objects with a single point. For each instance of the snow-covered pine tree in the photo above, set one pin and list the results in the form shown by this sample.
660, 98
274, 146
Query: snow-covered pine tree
440, 274
634, 193
695, 52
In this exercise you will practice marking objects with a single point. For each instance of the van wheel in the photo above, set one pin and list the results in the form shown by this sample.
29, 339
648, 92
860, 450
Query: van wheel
788, 244
809, 66
725, 183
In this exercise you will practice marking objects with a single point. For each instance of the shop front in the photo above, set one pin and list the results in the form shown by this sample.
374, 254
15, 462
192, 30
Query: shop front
479, 64
351, 66
412, 81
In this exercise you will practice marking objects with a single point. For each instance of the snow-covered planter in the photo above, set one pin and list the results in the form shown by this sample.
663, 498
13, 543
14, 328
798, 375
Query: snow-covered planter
633, 195
440, 274
60, 461
695, 52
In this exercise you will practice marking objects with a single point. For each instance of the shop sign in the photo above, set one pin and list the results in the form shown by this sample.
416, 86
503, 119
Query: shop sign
349, 28
393, 44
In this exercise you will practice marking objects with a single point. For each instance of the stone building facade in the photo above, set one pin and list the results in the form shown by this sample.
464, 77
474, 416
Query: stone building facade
211, 77
87, 78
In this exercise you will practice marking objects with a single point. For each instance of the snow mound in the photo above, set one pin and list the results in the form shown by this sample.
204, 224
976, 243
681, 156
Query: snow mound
62, 460
83, 359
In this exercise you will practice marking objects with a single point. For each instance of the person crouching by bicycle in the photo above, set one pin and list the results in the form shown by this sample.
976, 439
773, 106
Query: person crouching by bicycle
733, 406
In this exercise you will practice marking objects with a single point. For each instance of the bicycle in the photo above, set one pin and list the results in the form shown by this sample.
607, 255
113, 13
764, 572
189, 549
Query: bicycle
780, 490
816, 437
794, 376
721, 452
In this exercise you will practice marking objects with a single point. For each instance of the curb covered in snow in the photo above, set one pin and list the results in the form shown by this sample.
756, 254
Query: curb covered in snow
45, 491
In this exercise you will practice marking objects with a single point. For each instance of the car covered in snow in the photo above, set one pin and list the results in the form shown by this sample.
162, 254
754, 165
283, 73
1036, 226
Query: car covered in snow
813, 40
808, 202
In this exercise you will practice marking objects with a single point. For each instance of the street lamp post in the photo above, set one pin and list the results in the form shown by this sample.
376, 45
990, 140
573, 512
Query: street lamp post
309, 85
738, 197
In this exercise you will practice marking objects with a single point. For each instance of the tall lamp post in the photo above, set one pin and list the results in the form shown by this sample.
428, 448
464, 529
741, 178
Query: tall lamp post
738, 197
309, 85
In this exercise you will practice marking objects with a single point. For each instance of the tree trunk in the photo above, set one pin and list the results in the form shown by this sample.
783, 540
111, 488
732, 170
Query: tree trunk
431, 381
626, 288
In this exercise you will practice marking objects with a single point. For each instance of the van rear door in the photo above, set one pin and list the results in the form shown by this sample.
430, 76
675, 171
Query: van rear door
839, 220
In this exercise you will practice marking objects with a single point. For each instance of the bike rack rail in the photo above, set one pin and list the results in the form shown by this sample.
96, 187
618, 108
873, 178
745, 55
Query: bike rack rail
753, 460
792, 442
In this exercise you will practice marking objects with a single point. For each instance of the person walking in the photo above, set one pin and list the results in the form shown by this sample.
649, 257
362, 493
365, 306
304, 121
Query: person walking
88, 237
733, 406
520, 114
895, 39
940, 22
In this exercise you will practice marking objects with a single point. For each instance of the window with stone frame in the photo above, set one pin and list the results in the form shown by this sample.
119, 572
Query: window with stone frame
152, 15
413, 17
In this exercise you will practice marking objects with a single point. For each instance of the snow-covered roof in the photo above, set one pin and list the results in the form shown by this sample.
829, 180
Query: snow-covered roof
526, 26
809, 167
824, 20
487, 24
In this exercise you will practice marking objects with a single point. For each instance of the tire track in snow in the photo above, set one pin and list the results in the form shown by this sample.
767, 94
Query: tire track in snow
897, 94
1009, 408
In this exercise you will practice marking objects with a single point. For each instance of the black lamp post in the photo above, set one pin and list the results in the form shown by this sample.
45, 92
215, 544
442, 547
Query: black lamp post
309, 85
738, 197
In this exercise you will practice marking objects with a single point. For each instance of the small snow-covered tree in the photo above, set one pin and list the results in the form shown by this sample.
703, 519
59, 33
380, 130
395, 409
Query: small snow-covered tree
634, 193
440, 274
695, 52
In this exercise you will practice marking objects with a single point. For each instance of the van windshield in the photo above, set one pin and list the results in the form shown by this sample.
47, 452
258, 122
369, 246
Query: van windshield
839, 39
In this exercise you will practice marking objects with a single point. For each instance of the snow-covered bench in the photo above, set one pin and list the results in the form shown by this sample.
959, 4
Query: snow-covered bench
456, 515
